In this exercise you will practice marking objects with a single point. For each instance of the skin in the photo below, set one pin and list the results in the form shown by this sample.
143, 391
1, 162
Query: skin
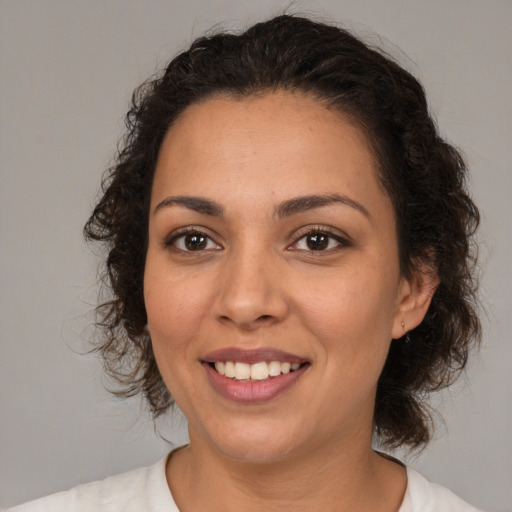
257, 283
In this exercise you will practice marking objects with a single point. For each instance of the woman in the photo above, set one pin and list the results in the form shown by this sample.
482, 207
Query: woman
290, 261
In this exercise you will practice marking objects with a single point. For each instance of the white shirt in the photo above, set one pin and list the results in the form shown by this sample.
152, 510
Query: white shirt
146, 490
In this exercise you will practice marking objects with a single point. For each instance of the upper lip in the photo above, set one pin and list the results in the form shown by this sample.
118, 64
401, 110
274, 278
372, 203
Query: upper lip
252, 356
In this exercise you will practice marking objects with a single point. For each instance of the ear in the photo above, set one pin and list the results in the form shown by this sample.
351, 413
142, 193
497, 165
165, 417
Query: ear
415, 295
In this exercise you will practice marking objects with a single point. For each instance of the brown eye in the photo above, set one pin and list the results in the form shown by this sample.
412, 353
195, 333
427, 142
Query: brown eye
320, 241
193, 241
317, 241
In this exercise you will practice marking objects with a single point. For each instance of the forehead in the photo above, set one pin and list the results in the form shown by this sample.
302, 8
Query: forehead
274, 145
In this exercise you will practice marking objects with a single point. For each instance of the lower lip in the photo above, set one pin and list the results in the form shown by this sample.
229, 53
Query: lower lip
252, 390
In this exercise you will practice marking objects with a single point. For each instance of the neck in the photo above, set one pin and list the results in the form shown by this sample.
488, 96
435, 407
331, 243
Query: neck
351, 478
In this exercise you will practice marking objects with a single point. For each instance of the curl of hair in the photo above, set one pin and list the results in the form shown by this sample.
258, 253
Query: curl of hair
424, 176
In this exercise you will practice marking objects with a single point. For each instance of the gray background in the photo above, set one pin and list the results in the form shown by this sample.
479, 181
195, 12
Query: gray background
68, 68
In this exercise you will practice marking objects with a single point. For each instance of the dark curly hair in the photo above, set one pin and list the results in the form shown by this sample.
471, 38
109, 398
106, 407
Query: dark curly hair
424, 176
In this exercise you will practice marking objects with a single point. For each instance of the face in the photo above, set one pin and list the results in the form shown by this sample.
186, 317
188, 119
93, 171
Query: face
272, 282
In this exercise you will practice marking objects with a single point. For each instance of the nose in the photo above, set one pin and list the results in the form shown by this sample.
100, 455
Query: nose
251, 294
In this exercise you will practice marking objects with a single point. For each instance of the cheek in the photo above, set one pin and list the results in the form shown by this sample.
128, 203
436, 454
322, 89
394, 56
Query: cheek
173, 314
349, 302
352, 316
176, 308
173, 298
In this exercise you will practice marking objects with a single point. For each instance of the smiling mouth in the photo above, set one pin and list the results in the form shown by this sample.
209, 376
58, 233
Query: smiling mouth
253, 376
259, 371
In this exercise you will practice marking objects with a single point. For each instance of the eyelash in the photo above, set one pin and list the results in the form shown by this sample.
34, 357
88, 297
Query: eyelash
341, 241
171, 241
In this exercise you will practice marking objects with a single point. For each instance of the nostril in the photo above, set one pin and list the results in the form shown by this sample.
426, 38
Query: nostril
264, 317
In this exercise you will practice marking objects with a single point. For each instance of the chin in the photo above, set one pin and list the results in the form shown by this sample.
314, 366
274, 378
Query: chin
267, 444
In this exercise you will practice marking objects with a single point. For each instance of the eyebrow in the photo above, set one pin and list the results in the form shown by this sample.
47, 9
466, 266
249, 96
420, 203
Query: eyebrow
285, 209
305, 203
197, 204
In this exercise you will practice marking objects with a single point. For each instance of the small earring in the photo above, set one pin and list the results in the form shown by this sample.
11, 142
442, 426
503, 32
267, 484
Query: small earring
406, 333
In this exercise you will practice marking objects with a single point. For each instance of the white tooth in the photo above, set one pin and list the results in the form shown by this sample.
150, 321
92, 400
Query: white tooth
220, 367
285, 367
242, 371
229, 369
274, 368
259, 371
295, 366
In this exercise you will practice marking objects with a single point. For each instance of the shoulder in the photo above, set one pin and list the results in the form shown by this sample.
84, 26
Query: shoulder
141, 489
424, 496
